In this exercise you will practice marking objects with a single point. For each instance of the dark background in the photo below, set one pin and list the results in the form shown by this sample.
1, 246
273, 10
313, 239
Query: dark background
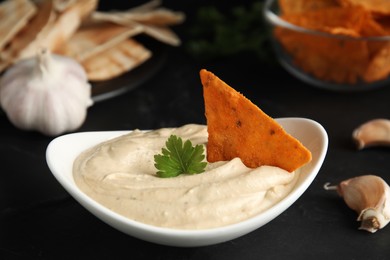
39, 220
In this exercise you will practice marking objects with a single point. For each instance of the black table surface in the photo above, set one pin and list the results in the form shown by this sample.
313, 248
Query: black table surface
40, 220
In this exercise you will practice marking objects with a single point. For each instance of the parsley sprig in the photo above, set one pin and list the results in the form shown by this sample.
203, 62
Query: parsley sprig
178, 158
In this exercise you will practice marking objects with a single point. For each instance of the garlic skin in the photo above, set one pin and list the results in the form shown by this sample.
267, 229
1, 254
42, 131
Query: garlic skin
368, 195
48, 93
375, 132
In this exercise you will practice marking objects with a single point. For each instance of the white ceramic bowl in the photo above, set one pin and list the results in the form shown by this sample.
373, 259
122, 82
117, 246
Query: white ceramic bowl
63, 150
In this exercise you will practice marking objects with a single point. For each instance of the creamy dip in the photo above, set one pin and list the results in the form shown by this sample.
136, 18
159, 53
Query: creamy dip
120, 174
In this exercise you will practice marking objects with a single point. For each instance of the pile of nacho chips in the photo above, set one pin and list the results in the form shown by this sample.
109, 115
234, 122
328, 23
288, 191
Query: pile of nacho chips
338, 54
102, 42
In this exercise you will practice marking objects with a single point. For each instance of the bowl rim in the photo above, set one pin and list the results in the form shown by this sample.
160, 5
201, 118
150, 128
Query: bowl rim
274, 19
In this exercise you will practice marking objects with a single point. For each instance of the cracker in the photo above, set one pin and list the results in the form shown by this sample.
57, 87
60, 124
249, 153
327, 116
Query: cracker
28, 35
96, 37
160, 17
62, 5
60, 30
10, 25
152, 19
116, 60
238, 128
163, 34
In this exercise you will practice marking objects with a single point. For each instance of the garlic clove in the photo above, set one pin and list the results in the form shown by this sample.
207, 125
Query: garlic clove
368, 195
375, 132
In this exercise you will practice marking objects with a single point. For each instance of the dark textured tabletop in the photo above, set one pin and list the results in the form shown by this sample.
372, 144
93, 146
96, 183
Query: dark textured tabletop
40, 220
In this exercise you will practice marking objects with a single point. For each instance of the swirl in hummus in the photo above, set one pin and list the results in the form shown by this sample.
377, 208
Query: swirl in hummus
120, 175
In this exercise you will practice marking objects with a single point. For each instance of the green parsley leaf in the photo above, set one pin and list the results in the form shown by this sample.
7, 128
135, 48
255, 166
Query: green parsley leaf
178, 158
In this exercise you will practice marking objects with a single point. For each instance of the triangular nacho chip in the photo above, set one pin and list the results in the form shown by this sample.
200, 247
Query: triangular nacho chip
238, 128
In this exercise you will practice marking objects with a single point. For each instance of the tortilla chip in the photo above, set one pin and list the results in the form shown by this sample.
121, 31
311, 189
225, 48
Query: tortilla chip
384, 23
379, 66
381, 7
238, 128
301, 6
327, 19
330, 59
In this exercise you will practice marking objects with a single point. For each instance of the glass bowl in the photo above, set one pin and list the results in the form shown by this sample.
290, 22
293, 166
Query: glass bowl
337, 60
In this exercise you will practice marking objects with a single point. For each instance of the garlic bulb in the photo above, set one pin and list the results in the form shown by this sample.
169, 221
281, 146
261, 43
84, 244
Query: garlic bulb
368, 195
48, 93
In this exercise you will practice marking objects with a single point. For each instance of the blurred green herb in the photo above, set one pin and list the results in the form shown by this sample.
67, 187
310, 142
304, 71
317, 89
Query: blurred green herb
242, 29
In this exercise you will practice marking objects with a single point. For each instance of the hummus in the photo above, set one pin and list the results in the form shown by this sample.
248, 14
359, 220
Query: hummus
120, 175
